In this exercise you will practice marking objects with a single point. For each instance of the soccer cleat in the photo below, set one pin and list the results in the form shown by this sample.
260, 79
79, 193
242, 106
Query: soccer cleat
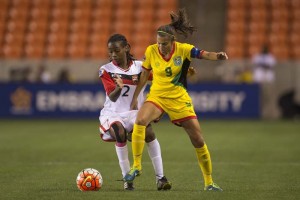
130, 176
128, 186
213, 187
163, 184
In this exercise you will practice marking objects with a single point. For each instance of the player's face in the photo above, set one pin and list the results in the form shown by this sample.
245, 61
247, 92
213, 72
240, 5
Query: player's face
117, 52
164, 44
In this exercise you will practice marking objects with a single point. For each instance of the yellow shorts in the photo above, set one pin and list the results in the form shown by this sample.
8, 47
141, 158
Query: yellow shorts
179, 109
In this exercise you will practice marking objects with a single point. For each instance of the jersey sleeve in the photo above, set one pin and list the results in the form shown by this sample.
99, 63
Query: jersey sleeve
147, 59
187, 50
108, 83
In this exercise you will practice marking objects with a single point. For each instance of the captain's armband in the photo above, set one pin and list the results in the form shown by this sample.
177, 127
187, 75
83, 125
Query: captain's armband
196, 53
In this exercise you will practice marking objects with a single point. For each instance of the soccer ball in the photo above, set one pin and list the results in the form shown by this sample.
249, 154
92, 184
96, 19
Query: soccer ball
89, 179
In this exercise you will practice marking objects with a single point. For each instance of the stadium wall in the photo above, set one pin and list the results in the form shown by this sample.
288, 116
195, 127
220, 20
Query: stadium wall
209, 18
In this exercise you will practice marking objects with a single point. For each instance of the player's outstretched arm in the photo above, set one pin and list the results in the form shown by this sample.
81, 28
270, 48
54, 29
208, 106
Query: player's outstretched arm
142, 82
214, 55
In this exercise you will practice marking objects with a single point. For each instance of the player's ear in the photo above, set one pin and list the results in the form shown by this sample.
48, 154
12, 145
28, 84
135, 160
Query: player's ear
127, 47
172, 38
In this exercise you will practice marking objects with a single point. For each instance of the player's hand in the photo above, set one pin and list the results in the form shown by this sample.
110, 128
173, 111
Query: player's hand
118, 81
191, 71
222, 56
134, 104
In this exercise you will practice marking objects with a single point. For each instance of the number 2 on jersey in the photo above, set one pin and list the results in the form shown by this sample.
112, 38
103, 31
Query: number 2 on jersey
126, 91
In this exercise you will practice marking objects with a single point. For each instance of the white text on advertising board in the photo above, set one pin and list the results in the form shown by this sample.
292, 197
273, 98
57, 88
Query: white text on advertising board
69, 101
218, 101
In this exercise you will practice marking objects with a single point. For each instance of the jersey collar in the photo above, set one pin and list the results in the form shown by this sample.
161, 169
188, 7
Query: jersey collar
171, 54
116, 64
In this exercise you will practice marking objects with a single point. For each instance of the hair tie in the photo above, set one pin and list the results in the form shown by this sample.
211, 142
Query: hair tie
166, 33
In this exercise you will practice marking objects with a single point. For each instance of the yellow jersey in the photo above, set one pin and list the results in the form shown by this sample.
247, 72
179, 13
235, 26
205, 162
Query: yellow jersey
169, 76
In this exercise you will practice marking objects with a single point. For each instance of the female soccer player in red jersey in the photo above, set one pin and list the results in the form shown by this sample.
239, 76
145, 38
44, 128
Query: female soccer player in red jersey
120, 77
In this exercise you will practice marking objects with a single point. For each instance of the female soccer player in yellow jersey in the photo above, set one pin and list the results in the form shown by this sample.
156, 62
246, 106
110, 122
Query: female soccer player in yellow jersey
169, 61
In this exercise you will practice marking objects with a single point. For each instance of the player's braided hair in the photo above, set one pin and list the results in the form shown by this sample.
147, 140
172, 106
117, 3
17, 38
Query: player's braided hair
121, 38
180, 24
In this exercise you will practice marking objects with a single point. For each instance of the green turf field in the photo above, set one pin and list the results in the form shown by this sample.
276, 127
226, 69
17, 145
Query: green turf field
40, 159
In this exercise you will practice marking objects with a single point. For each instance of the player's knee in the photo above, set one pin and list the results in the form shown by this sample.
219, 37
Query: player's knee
120, 132
142, 121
